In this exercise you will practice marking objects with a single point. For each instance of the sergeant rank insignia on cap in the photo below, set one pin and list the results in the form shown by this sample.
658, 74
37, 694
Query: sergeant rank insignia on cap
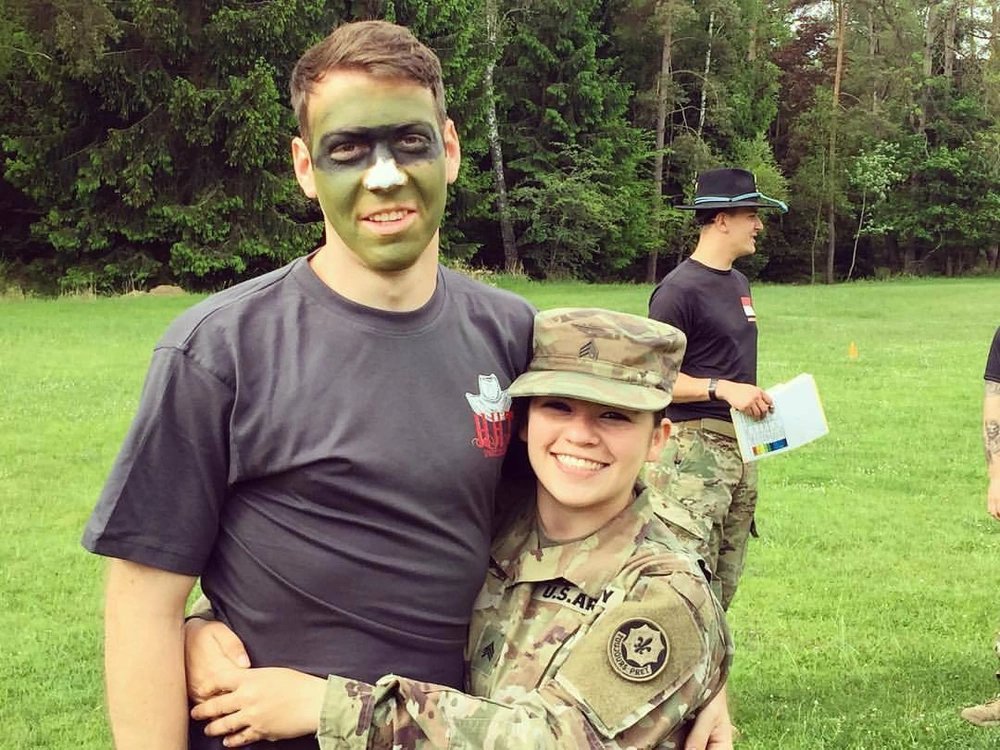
638, 649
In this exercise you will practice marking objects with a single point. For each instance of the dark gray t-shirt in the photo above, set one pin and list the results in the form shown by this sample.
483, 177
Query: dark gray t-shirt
328, 469
715, 311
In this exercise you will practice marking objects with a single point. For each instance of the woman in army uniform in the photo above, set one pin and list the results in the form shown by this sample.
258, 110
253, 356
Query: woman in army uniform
594, 628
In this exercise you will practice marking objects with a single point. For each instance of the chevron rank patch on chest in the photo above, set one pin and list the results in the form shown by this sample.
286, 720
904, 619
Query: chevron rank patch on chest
483, 659
638, 649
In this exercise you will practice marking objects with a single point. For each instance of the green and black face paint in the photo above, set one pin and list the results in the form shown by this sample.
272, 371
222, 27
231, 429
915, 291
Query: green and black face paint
363, 147
380, 167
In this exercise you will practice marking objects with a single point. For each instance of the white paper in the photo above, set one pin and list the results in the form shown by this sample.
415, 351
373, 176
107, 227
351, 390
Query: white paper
797, 419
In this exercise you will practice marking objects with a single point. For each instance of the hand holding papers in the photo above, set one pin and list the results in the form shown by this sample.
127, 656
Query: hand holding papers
797, 419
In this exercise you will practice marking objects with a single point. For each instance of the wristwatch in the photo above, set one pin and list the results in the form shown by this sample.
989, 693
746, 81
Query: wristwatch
713, 383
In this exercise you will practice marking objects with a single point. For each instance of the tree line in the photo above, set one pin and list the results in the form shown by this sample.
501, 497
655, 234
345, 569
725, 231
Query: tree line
146, 141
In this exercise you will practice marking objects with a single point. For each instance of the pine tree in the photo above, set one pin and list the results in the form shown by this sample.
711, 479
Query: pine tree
155, 141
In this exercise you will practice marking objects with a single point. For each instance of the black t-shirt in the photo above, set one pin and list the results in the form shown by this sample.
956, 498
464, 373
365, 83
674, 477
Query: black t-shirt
993, 361
327, 469
715, 311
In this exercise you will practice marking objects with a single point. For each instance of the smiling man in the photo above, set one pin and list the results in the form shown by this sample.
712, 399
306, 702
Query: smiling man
378, 154
710, 301
306, 443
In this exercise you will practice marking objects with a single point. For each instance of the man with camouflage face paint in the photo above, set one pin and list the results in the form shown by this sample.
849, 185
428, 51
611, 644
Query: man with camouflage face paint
305, 439
595, 628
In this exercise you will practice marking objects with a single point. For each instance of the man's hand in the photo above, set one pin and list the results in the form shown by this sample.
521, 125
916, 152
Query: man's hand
712, 728
746, 398
211, 652
993, 498
270, 703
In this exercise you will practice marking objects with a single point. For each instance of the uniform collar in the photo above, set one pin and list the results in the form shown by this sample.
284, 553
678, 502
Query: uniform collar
521, 558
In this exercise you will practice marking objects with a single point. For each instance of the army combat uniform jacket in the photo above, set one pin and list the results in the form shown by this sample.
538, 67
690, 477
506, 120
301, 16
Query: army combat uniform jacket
611, 641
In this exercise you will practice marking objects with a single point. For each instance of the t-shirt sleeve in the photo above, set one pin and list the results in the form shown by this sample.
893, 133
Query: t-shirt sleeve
161, 503
993, 361
667, 304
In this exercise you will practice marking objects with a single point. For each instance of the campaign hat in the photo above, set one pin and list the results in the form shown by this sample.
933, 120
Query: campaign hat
730, 188
603, 356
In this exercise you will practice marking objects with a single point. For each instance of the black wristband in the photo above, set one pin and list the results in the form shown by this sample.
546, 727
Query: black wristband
713, 383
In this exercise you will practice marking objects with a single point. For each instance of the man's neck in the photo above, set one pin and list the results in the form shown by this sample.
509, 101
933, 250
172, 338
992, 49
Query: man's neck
709, 252
396, 291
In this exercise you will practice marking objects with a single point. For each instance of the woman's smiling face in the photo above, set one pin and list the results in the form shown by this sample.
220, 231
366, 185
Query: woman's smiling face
587, 457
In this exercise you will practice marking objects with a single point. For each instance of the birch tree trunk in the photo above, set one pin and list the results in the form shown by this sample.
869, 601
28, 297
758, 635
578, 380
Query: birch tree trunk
511, 260
950, 24
708, 68
857, 234
838, 74
928, 67
662, 92
872, 55
991, 97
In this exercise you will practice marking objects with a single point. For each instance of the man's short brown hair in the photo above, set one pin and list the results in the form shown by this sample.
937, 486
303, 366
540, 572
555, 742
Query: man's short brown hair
704, 217
378, 48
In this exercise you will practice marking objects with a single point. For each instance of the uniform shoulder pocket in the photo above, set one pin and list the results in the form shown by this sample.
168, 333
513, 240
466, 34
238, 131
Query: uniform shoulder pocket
635, 657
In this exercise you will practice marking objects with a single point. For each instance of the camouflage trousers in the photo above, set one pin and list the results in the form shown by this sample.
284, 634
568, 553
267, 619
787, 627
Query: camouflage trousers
704, 487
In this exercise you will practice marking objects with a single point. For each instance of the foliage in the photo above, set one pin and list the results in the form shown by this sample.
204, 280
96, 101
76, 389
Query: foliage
157, 131
579, 192
582, 221
147, 142
874, 172
951, 206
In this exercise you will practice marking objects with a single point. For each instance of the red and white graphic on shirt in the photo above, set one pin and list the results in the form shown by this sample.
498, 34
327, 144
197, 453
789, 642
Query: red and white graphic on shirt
492, 416
748, 309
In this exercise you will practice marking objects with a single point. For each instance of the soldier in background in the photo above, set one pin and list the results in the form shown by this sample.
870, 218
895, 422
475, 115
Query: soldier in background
595, 627
988, 714
710, 301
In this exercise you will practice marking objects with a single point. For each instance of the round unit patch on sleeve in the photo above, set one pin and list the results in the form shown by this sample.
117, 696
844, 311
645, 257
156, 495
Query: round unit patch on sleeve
638, 649
667, 645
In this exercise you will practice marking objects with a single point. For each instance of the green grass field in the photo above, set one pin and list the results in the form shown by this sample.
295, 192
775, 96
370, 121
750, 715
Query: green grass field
866, 613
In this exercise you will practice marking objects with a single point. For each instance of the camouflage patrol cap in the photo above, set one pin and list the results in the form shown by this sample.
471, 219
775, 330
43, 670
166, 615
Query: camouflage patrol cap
603, 356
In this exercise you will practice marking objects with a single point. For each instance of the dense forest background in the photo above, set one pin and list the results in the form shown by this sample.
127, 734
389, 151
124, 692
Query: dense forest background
146, 141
